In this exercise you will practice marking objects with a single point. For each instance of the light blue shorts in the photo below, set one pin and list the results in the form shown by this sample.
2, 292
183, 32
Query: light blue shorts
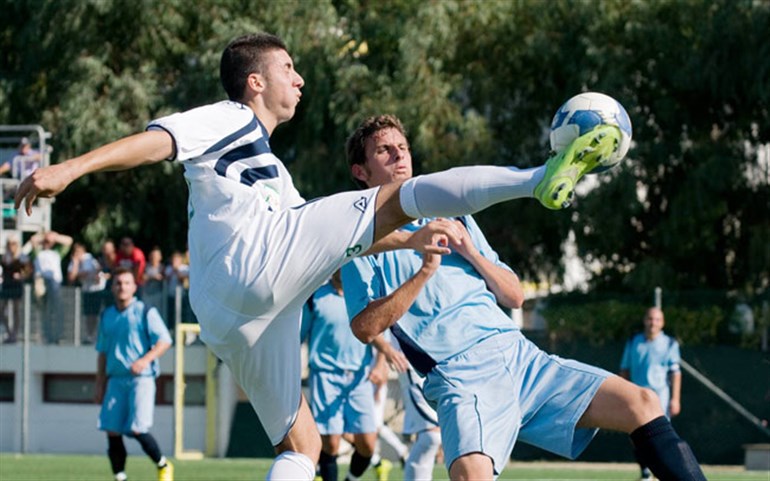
504, 389
342, 402
128, 405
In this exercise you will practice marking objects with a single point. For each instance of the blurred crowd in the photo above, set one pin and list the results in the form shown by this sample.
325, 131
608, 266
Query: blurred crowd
49, 261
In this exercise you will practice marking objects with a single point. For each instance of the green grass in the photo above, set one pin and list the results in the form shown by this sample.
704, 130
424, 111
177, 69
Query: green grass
87, 468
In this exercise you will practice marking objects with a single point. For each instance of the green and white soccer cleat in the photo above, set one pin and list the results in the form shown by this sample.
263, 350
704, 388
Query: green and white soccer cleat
563, 170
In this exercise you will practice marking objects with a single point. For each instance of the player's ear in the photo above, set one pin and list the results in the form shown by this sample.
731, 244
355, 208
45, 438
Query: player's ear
255, 82
359, 172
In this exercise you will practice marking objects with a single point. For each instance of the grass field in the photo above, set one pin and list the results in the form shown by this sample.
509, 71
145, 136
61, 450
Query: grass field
138, 468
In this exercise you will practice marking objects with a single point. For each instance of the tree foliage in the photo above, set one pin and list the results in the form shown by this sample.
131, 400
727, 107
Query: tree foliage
475, 82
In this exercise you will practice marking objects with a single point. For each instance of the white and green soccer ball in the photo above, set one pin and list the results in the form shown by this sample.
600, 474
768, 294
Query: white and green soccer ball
581, 114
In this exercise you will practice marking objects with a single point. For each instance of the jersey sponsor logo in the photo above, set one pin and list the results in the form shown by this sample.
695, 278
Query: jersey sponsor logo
354, 250
361, 204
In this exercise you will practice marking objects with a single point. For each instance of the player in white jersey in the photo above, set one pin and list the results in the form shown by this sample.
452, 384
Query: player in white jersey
489, 384
257, 251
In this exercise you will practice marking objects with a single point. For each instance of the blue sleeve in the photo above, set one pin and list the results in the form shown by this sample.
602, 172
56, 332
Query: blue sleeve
481, 243
360, 284
307, 322
158, 329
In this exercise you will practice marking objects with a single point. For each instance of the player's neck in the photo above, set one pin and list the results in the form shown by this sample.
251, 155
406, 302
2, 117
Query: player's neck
268, 119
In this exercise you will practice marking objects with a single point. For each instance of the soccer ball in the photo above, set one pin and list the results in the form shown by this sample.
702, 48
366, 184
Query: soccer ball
581, 114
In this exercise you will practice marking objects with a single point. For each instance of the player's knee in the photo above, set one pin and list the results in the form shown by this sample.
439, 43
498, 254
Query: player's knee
647, 406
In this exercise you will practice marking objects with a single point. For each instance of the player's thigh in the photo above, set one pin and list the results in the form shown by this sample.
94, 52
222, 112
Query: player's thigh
620, 405
472, 466
268, 369
114, 413
142, 404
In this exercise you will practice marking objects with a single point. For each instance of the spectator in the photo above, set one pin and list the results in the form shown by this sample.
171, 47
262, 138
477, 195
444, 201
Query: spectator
651, 360
132, 337
85, 271
176, 275
23, 163
153, 279
131, 257
16, 269
48, 250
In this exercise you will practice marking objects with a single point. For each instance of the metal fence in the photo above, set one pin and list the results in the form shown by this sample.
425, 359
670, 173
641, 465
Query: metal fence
69, 316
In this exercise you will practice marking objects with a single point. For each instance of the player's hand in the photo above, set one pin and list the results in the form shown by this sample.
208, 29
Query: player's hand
379, 374
435, 237
43, 182
674, 408
396, 359
465, 247
139, 366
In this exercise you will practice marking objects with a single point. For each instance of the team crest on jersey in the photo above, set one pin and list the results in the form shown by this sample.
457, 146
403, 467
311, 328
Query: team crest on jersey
361, 204
354, 250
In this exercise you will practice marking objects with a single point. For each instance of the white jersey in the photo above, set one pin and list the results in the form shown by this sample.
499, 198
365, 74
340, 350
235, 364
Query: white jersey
257, 251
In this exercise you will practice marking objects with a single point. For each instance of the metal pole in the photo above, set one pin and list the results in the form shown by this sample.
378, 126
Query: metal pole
25, 370
78, 315
658, 297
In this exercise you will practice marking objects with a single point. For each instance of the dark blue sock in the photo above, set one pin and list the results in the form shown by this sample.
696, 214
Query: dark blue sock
660, 448
149, 446
327, 467
116, 451
358, 464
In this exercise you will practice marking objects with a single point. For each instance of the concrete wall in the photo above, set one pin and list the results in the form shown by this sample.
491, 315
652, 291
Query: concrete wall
71, 428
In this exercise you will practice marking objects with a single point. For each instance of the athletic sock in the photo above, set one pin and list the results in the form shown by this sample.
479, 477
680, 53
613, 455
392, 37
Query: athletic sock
116, 451
162, 462
358, 465
466, 190
660, 448
327, 467
422, 456
149, 446
291, 466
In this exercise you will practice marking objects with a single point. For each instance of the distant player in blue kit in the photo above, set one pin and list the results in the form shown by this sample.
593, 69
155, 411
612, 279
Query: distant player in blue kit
341, 397
131, 339
258, 250
489, 384
651, 360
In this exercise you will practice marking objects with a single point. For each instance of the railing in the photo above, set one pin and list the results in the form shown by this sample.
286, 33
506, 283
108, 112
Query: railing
70, 316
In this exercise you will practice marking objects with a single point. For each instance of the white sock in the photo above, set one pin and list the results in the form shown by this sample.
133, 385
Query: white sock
162, 461
466, 190
422, 456
121, 476
291, 466
392, 439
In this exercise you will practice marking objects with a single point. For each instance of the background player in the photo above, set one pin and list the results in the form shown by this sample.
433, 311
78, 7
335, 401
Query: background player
257, 252
651, 360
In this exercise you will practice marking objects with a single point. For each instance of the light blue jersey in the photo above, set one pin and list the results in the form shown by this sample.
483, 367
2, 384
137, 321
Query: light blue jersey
124, 337
455, 299
650, 363
326, 326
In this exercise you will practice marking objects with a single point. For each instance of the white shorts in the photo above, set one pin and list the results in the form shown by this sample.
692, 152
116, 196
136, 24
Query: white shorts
418, 414
249, 300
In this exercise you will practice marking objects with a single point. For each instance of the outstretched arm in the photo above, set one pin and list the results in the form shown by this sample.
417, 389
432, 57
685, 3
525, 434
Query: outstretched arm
140, 149
423, 240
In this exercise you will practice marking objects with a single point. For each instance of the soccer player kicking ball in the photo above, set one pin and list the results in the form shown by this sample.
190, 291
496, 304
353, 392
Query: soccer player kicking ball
489, 384
258, 251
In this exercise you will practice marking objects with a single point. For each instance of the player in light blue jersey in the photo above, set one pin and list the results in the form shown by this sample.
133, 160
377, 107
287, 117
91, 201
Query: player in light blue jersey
341, 396
131, 339
489, 384
257, 251
651, 359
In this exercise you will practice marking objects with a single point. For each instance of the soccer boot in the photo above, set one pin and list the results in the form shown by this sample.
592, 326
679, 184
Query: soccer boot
382, 469
166, 473
563, 170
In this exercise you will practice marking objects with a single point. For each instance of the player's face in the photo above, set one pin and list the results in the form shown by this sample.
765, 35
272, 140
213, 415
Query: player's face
388, 158
653, 322
282, 85
123, 288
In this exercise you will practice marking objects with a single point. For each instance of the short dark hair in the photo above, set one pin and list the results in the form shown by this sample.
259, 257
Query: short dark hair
242, 57
356, 143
